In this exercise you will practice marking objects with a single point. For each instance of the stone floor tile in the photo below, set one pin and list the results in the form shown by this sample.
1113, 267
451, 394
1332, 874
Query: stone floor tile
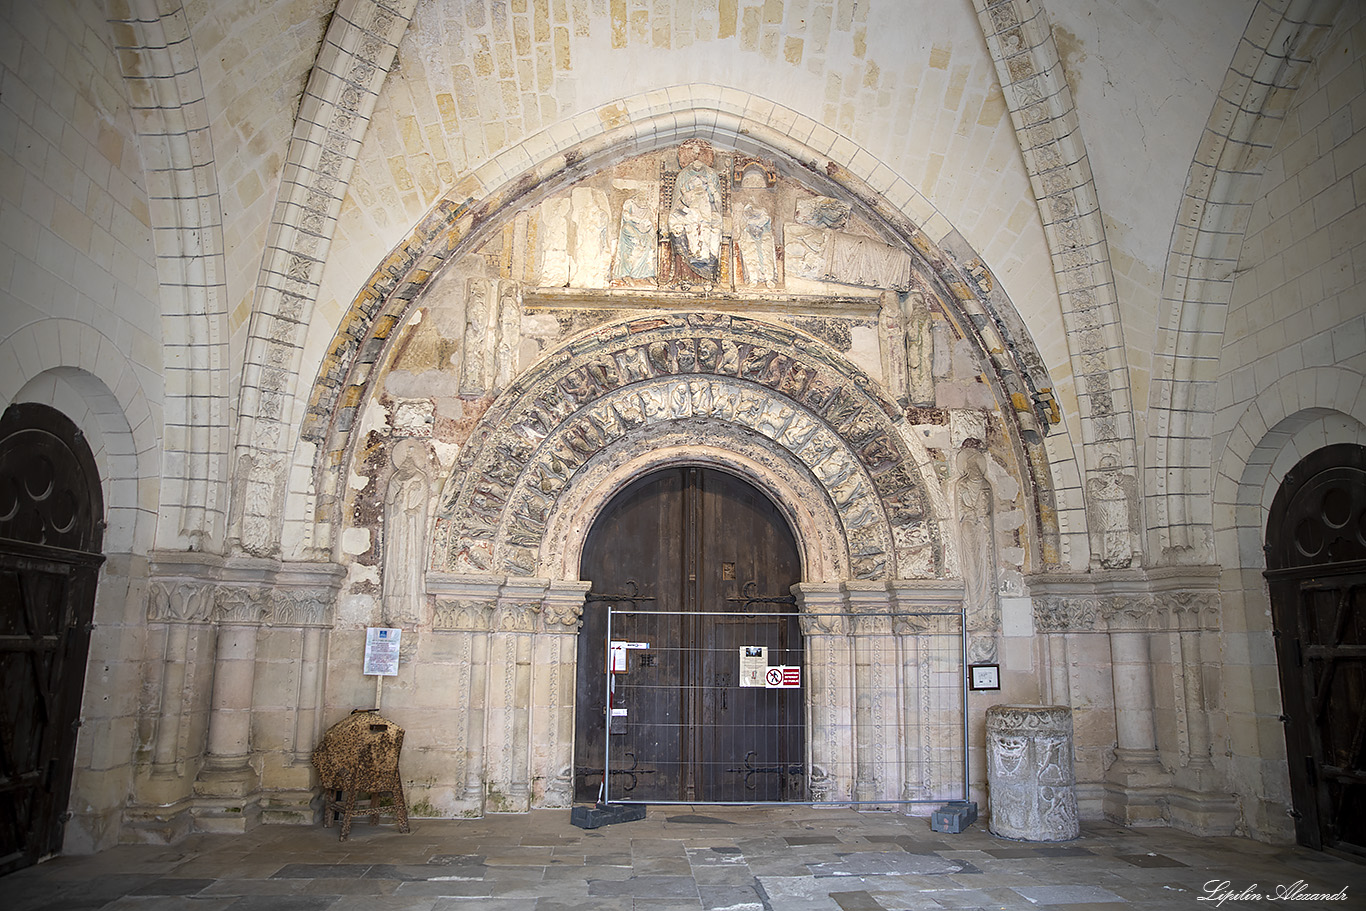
371, 887
234, 886
168, 885
1066, 894
382, 903
730, 896
279, 903
734, 875
646, 887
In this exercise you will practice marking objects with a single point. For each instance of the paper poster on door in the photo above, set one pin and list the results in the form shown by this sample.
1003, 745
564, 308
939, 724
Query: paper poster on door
753, 665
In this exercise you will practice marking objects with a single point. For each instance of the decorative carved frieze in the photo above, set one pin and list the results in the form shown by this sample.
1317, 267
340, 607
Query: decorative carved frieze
302, 607
1081, 613
183, 589
1063, 614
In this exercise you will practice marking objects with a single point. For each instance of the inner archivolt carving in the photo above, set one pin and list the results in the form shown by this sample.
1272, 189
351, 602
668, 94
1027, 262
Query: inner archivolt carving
737, 383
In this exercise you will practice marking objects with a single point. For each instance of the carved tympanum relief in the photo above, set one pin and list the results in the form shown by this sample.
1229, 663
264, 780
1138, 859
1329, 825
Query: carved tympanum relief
530, 367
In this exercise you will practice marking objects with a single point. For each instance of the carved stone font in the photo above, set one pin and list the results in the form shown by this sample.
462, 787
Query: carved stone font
1030, 779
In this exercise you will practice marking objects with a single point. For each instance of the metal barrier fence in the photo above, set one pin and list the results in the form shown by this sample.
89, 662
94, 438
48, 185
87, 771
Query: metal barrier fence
745, 708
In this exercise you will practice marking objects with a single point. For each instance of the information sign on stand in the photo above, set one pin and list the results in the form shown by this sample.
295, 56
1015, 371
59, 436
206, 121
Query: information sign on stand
381, 651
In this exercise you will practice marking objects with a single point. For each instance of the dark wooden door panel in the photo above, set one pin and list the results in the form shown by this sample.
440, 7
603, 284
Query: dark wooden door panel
1316, 557
50, 530
704, 560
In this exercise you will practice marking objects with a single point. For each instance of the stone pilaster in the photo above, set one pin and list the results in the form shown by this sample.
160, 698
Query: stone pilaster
553, 691
830, 687
463, 610
508, 779
181, 593
876, 744
290, 680
927, 623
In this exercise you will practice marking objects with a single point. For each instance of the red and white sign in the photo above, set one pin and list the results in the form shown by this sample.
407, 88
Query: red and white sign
783, 676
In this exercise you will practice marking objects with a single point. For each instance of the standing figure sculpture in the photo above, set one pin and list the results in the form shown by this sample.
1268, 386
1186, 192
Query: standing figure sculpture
636, 246
405, 536
977, 547
758, 250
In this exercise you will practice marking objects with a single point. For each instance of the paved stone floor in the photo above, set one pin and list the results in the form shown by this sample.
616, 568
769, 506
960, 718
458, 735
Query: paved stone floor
742, 859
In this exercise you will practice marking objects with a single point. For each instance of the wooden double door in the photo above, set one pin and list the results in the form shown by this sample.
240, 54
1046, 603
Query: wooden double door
1316, 571
50, 533
696, 567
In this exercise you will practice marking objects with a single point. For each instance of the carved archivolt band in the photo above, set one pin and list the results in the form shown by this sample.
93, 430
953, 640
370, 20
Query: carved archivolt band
758, 388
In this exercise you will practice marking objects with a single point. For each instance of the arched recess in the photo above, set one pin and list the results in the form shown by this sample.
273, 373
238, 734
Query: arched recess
1303, 412
962, 289
1277, 50
96, 386
761, 398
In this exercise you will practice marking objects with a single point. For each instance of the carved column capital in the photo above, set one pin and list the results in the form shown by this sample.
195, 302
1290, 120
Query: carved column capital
562, 609
179, 601
463, 615
1130, 612
1067, 614
241, 605
1189, 611
822, 608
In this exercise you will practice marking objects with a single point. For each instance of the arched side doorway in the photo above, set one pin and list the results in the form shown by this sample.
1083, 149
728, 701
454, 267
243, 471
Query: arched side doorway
1316, 571
707, 562
51, 528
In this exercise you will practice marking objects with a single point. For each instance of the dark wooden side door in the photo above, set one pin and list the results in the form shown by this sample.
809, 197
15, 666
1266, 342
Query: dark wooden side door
50, 533
1316, 571
707, 563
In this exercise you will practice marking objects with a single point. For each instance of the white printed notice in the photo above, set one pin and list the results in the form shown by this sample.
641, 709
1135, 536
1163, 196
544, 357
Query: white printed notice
753, 664
381, 651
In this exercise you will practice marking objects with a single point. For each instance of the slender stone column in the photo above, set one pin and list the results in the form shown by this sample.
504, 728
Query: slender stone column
1059, 687
1133, 687
1197, 721
311, 680
915, 780
552, 721
829, 691
166, 749
227, 784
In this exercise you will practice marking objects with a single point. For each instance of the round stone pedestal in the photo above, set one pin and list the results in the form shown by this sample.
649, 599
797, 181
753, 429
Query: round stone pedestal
1031, 787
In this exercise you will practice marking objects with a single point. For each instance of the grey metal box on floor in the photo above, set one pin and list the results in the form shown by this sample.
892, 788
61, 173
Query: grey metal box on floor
954, 816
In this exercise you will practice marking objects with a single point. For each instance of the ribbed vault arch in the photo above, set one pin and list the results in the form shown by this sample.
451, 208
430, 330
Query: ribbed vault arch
166, 92
1275, 53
